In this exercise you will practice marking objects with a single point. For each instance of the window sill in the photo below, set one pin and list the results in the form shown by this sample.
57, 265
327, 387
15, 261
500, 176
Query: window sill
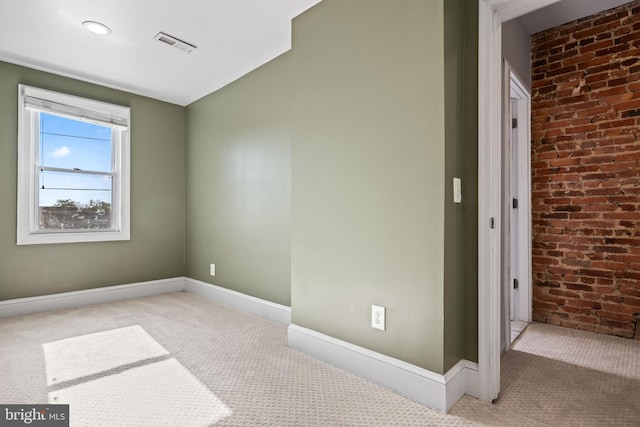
72, 237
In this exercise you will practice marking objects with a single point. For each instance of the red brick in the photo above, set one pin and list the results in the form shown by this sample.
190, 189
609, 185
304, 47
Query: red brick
628, 38
611, 50
620, 308
561, 70
575, 310
590, 45
628, 105
607, 265
583, 303
578, 59
586, 172
630, 290
587, 319
610, 17
635, 275
612, 315
565, 293
578, 287
634, 302
613, 323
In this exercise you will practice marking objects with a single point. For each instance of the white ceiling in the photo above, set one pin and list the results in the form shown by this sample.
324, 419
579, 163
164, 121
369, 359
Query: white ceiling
565, 11
233, 37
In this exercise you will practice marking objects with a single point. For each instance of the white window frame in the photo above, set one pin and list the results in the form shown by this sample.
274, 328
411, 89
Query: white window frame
31, 102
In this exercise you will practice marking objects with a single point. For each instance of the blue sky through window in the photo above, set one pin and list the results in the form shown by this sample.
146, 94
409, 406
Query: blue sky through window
81, 146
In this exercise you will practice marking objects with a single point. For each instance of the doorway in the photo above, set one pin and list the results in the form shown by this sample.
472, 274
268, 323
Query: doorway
491, 224
517, 146
516, 280
491, 14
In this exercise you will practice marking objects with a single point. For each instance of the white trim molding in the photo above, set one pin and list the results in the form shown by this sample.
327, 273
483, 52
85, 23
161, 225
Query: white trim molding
437, 391
66, 300
489, 182
521, 171
511, 9
266, 309
471, 384
491, 15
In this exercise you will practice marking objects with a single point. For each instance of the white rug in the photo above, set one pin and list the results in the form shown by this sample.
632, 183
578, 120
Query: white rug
114, 378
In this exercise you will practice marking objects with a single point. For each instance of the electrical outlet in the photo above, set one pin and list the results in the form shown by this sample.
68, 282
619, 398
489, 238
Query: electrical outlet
212, 270
377, 317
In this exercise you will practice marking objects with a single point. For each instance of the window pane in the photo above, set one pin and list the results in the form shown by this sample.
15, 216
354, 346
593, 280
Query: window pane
74, 201
67, 143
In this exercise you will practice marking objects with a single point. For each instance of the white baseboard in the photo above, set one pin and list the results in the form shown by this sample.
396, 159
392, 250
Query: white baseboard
262, 308
471, 379
437, 391
259, 307
65, 300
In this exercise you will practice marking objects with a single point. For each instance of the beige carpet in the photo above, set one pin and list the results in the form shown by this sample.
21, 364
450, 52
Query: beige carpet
189, 361
556, 376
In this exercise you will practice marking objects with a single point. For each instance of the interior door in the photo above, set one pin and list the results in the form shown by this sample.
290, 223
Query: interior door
515, 276
519, 258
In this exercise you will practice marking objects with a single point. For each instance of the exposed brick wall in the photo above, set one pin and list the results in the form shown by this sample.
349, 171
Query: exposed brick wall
586, 172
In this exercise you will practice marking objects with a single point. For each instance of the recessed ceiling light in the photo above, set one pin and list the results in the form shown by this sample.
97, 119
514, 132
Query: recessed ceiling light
97, 28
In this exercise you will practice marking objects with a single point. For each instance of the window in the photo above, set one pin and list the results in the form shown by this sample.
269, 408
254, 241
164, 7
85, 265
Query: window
73, 169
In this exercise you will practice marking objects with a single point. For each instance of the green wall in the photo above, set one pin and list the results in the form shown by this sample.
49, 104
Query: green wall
347, 146
461, 220
156, 248
369, 175
239, 184
322, 180
453, 219
469, 123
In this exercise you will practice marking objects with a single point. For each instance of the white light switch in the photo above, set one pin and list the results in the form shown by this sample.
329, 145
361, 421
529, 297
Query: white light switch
212, 270
457, 190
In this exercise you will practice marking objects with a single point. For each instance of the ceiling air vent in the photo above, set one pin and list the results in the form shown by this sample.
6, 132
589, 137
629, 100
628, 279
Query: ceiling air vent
175, 42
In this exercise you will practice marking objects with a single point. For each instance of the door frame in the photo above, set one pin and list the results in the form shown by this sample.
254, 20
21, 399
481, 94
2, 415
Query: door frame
491, 15
521, 170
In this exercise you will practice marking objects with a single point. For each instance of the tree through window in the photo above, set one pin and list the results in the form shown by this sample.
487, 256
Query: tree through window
75, 161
